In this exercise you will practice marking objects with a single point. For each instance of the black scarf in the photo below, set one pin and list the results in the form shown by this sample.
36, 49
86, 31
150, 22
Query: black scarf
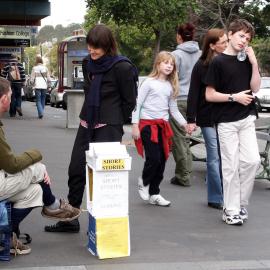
96, 70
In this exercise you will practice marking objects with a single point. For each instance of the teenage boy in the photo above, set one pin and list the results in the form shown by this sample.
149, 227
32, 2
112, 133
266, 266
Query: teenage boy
231, 83
25, 182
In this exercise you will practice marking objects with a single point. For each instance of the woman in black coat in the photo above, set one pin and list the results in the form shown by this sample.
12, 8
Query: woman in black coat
110, 96
199, 112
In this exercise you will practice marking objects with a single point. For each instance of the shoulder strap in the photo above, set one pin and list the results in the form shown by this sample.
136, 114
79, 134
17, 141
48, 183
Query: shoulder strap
43, 77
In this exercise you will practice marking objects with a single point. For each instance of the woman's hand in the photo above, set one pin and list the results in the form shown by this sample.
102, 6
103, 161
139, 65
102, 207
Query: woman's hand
191, 127
47, 179
135, 132
187, 129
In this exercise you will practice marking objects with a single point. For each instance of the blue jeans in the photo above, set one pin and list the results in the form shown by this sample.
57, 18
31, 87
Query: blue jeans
213, 177
40, 100
16, 98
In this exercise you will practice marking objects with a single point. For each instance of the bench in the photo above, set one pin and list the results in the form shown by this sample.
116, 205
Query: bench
262, 132
5, 229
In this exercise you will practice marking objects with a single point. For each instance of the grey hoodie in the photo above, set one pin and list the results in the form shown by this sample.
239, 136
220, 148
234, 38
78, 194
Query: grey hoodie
186, 55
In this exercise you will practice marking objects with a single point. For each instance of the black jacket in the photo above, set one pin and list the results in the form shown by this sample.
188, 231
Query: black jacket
199, 111
118, 94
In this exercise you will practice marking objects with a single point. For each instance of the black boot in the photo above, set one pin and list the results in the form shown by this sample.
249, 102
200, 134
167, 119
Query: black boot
61, 226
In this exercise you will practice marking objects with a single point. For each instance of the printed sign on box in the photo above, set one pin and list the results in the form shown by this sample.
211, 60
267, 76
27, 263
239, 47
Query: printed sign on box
108, 157
109, 237
107, 192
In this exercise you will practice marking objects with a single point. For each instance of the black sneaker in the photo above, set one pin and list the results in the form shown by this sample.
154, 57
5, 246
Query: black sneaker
61, 226
19, 111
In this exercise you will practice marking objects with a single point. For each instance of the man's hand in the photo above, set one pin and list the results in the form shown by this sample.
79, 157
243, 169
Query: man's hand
243, 97
135, 132
251, 56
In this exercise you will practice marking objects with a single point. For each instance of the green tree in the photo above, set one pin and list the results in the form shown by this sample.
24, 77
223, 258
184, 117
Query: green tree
262, 49
212, 13
53, 60
158, 16
30, 58
46, 33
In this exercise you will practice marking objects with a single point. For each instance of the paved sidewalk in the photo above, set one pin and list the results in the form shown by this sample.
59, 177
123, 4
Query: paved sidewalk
188, 235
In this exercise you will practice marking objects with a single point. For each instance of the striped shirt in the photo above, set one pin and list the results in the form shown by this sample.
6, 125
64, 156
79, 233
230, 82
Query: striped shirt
6, 70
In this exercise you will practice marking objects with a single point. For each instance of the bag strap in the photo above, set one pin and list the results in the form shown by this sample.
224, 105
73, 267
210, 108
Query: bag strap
43, 77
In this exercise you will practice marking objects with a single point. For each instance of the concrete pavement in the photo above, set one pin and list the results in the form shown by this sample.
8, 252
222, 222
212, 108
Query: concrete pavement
187, 235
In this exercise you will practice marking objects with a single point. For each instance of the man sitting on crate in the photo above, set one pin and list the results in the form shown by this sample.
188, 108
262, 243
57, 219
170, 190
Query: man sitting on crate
25, 182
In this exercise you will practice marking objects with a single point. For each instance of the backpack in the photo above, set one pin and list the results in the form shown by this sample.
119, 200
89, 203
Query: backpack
14, 73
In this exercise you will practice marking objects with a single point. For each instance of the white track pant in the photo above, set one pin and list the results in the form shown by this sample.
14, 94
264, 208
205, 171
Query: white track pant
240, 160
22, 188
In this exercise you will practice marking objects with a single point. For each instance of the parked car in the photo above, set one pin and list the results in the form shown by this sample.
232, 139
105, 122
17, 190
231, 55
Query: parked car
262, 97
64, 102
29, 91
53, 97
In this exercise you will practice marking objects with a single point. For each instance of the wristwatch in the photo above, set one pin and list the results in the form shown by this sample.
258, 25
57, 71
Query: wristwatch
230, 98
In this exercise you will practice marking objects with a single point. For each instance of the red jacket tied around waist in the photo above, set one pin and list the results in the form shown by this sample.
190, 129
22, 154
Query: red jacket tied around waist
167, 134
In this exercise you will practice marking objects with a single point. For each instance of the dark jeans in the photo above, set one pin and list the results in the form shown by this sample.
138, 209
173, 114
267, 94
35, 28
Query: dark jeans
76, 171
155, 161
16, 98
19, 214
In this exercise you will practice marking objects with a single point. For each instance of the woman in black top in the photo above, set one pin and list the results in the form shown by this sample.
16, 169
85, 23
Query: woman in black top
110, 97
199, 113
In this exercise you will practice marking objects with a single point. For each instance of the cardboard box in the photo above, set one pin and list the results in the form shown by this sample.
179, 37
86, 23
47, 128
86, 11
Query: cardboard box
108, 157
109, 237
107, 169
107, 192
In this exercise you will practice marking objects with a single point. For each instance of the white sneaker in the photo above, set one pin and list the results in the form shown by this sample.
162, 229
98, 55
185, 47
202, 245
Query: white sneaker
143, 190
159, 200
243, 213
232, 219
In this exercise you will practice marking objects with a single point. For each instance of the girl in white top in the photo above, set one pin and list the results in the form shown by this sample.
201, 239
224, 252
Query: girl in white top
40, 79
151, 129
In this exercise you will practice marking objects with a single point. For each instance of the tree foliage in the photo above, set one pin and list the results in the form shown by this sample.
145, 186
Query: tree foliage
59, 32
144, 27
158, 16
262, 49
212, 13
30, 58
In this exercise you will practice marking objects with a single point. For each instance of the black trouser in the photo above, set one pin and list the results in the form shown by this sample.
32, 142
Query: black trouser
155, 161
76, 171
16, 98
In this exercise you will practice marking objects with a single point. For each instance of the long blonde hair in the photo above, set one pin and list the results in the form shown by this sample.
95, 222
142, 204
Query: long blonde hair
164, 56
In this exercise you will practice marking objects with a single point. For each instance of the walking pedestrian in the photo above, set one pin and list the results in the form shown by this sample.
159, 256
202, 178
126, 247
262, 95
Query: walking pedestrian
15, 73
231, 79
186, 54
199, 113
40, 79
151, 129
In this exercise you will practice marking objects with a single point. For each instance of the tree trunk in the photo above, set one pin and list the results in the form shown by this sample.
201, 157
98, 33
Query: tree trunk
157, 43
